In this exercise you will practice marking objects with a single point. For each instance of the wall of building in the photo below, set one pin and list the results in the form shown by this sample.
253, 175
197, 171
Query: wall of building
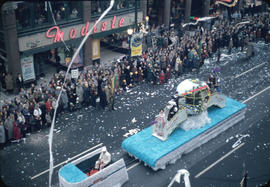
32, 40
11, 40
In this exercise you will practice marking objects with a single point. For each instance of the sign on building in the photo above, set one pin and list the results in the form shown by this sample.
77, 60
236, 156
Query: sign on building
28, 71
57, 34
95, 49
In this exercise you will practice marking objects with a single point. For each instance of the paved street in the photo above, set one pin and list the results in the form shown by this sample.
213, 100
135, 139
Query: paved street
23, 164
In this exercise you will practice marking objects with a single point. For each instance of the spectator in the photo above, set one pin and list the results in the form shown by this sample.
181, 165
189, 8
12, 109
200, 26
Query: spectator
16, 131
37, 115
9, 82
19, 82
8, 124
21, 124
111, 99
161, 77
74, 13
2, 134
102, 96
79, 93
2, 75
48, 106
108, 93
86, 94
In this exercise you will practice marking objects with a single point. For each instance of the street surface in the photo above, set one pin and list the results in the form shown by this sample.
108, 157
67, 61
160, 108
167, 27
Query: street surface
246, 80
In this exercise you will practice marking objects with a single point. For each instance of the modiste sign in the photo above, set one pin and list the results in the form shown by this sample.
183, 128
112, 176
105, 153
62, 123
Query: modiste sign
57, 34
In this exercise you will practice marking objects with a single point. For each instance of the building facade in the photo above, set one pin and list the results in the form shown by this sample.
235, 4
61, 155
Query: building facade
34, 33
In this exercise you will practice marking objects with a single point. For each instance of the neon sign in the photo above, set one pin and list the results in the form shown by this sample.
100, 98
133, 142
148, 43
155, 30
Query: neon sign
57, 34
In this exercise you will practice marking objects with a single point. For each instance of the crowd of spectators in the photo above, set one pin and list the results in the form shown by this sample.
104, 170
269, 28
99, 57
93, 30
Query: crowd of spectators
169, 52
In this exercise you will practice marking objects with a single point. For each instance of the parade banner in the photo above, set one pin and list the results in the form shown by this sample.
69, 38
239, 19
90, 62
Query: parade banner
27, 65
95, 49
136, 44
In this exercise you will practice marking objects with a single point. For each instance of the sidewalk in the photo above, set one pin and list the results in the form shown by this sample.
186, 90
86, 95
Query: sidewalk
106, 57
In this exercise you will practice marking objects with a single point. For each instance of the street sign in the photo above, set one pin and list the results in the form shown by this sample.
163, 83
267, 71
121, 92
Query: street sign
74, 73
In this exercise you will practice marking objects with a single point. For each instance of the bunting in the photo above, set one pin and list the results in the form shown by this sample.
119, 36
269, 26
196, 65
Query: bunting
227, 3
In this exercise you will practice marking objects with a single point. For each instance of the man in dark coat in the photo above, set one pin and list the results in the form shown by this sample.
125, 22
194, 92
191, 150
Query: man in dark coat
19, 82
43, 112
86, 94
102, 97
2, 75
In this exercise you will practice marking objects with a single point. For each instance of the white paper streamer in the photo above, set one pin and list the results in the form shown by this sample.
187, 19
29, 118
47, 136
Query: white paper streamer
200, 19
58, 98
55, 23
242, 23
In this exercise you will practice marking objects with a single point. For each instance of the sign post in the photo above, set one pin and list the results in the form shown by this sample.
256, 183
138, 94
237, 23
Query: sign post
74, 73
27, 65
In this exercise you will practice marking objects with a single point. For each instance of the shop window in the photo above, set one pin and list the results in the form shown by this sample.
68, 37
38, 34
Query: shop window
57, 10
41, 12
34, 14
23, 16
62, 56
177, 11
96, 7
131, 3
121, 4
75, 10
66, 10
29, 14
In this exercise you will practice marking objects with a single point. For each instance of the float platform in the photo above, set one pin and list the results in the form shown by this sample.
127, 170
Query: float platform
74, 173
157, 153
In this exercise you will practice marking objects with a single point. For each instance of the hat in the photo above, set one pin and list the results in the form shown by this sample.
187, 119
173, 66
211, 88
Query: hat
103, 149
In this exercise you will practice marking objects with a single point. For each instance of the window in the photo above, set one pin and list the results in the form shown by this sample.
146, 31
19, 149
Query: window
98, 6
23, 15
66, 10
41, 12
75, 10
35, 14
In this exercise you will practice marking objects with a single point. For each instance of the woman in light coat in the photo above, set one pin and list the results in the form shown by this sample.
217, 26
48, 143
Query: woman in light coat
9, 82
2, 133
108, 93
9, 127
79, 92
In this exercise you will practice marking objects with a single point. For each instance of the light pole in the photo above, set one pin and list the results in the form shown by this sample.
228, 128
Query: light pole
130, 32
146, 22
146, 39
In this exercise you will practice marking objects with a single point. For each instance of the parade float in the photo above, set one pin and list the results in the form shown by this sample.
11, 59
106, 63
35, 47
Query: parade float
196, 114
79, 172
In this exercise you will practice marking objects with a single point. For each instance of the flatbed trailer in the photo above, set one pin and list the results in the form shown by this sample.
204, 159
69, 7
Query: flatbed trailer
155, 153
74, 174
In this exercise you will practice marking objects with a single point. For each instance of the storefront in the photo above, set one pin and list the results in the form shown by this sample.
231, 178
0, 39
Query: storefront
50, 33
117, 42
72, 35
